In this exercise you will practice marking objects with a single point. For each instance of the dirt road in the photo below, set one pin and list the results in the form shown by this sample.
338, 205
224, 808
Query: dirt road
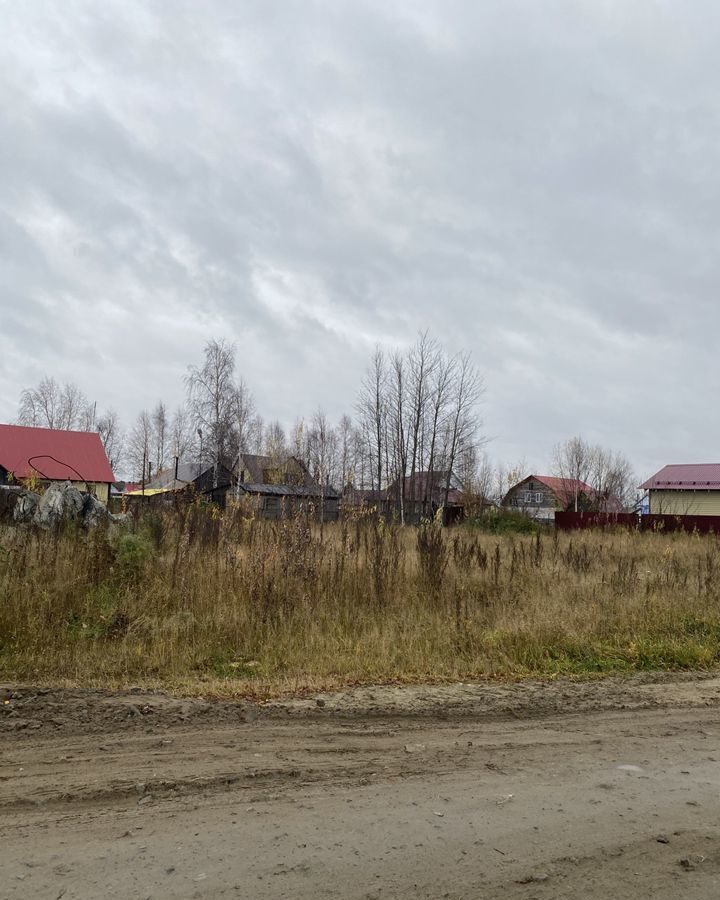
608, 789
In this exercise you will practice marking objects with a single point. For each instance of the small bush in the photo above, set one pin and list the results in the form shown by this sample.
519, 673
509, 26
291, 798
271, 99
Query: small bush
155, 528
505, 521
133, 551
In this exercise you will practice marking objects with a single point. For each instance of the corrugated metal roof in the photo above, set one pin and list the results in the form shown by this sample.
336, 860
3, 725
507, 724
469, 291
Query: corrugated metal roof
289, 468
288, 490
563, 488
186, 473
358, 495
53, 454
685, 477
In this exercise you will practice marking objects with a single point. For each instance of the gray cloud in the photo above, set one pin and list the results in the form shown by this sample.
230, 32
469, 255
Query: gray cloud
535, 183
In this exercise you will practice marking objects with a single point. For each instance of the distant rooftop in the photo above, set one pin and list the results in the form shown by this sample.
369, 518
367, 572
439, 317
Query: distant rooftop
54, 454
685, 477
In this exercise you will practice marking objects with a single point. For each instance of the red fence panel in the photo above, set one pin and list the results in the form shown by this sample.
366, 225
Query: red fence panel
569, 521
701, 524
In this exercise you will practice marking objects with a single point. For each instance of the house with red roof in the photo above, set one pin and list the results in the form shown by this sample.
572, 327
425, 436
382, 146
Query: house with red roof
685, 490
45, 455
541, 496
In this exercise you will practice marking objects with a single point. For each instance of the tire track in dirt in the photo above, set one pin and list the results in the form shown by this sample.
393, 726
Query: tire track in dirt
538, 790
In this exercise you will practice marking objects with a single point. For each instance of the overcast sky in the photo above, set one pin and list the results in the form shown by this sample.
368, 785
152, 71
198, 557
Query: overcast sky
535, 182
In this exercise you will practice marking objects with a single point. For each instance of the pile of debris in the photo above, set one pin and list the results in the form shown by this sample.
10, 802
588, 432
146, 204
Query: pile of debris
60, 504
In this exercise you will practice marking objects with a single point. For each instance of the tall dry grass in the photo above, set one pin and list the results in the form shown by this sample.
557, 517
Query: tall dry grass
210, 601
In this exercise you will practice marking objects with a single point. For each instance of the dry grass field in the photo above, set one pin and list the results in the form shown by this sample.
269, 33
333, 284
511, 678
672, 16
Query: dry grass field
212, 603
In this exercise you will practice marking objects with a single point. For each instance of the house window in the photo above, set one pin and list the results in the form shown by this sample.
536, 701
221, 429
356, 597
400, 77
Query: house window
539, 496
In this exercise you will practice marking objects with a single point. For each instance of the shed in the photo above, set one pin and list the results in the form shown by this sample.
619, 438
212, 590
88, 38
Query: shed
277, 501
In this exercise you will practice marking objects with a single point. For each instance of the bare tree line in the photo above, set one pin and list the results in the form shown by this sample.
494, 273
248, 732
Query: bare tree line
64, 406
416, 411
609, 476
608, 473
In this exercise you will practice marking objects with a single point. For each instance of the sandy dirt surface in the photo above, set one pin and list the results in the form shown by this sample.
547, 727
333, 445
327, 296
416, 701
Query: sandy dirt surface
531, 790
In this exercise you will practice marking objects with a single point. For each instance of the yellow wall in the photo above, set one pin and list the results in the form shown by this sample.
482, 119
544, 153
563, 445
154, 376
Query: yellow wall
685, 503
101, 491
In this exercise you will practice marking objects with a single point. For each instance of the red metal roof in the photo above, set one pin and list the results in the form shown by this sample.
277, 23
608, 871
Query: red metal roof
692, 477
55, 455
563, 488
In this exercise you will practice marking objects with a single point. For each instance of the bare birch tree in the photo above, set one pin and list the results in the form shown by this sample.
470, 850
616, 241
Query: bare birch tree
275, 443
256, 430
372, 414
245, 421
398, 429
221, 408
181, 435
422, 360
572, 462
464, 421
322, 446
346, 452
112, 437
442, 381
211, 401
139, 443
612, 479
159, 438
65, 407
52, 405
299, 443
418, 412
362, 465
608, 475
40, 406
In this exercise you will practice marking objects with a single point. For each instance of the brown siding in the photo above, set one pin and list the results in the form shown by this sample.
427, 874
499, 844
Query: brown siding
532, 497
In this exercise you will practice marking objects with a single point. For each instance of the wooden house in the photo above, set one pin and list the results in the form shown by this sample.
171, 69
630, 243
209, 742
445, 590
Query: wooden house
541, 496
279, 501
280, 487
